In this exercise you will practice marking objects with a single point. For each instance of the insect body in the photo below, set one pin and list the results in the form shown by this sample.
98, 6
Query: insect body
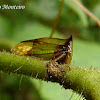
56, 49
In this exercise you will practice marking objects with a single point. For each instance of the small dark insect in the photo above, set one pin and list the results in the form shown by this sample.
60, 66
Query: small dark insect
56, 49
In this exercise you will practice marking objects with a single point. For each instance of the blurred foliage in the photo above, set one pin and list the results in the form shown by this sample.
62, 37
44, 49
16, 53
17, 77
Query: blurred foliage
17, 88
72, 20
36, 21
90, 4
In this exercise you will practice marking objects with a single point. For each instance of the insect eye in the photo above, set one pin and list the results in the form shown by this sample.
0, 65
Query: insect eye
63, 48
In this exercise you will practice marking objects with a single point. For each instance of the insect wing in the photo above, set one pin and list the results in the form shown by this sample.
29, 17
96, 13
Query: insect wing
46, 48
43, 49
22, 48
51, 41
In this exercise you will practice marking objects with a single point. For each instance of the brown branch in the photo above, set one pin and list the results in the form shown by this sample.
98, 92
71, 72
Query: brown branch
87, 12
57, 19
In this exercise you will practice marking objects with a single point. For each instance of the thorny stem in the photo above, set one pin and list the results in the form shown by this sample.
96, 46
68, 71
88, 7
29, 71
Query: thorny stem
81, 80
87, 12
57, 19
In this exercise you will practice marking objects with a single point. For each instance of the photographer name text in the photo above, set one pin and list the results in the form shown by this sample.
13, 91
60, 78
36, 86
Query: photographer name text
3, 7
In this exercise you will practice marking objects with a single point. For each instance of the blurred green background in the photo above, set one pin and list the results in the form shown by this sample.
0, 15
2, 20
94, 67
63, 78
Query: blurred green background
36, 21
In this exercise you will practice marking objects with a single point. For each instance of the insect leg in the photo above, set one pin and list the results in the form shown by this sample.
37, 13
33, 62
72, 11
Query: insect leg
59, 56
